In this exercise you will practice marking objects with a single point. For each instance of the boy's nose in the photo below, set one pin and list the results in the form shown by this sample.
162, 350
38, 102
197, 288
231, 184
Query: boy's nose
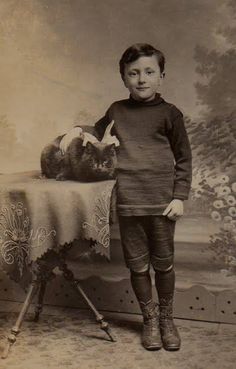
142, 78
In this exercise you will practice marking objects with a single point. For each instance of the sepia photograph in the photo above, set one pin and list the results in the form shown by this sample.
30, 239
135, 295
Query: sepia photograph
117, 184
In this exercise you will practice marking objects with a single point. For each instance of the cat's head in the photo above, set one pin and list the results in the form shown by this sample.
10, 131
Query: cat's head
100, 160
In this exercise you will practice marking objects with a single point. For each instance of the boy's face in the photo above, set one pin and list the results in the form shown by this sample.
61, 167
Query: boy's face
143, 78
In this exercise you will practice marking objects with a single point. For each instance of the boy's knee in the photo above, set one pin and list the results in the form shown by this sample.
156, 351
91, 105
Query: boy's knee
139, 264
140, 271
162, 264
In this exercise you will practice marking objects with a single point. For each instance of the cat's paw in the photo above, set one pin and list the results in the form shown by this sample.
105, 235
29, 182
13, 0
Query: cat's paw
42, 176
61, 177
112, 175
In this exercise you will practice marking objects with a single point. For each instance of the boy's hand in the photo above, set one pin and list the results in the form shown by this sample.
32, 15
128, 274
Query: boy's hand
174, 210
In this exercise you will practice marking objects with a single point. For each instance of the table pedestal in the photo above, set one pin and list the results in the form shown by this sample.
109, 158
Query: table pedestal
42, 273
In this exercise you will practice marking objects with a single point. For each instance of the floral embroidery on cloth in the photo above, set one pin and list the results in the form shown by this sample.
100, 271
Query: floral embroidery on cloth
38, 215
16, 238
99, 226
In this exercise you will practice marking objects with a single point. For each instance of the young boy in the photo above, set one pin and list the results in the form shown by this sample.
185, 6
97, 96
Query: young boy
153, 179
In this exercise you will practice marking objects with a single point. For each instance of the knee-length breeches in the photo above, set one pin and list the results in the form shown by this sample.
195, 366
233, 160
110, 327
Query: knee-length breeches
147, 240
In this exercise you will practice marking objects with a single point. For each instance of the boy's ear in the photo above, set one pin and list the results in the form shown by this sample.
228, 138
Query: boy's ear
162, 77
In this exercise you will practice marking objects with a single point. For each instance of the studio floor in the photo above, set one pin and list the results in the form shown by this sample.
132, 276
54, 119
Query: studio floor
70, 338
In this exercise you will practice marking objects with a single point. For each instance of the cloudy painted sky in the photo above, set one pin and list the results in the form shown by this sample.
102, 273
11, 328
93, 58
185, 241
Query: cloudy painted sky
59, 58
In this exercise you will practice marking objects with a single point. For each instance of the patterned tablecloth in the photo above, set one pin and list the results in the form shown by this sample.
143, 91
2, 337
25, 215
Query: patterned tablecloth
37, 215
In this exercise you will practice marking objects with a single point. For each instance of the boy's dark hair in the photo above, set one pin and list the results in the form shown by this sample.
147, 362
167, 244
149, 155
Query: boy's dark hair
136, 51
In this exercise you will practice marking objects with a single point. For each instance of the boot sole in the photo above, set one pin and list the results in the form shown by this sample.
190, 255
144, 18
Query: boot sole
153, 348
171, 348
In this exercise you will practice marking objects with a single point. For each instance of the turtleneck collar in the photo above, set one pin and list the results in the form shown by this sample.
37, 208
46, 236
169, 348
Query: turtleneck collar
156, 101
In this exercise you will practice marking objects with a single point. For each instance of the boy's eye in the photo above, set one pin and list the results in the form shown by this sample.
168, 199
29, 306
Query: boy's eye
132, 74
150, 72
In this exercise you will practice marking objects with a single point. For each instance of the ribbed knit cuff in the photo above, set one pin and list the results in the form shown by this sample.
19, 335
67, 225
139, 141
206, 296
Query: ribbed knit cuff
181, 192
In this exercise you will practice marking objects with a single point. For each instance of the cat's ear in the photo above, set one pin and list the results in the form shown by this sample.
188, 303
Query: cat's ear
89, 147
111, 148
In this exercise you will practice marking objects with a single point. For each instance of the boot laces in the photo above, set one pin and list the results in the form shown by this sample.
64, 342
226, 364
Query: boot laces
166, 320
149, 311
168, 324
151, 325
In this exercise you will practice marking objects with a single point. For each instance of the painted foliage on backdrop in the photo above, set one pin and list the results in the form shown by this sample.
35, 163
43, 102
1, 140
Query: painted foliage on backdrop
213, 140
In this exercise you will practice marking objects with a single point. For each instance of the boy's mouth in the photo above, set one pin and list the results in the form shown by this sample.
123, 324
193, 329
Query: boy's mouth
142, 88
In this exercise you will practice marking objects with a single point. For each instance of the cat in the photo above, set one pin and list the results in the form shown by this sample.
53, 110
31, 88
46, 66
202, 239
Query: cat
80, 156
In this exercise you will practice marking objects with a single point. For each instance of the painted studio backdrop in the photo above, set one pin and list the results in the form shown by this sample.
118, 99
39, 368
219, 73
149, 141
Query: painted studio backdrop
59, 67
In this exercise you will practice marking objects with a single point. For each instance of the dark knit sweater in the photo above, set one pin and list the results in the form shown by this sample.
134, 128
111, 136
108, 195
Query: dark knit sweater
154, 157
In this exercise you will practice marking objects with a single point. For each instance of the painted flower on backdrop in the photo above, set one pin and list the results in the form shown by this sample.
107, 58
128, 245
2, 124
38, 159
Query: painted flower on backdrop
234, 187
218, 192
222, 191
216, 216
231, 201
232, 211
228, 227
227, 219
223, 179
218, 204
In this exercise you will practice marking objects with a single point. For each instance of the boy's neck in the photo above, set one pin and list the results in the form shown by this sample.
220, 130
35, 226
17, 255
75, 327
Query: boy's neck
156, 100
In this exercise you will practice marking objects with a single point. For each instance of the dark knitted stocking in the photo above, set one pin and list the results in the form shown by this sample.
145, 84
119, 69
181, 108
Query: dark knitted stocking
142, 286
165, 283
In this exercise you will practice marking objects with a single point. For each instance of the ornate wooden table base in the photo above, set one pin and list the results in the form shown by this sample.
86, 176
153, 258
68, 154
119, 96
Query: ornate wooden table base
42, 272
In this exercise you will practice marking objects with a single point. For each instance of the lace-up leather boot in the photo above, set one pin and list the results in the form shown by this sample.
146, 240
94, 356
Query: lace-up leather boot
151, 338
169, 333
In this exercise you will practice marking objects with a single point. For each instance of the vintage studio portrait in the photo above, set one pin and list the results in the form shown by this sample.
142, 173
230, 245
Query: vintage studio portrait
117, 184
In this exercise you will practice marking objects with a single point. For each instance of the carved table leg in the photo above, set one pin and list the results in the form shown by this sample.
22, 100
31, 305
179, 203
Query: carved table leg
41, 273
43, 269
68, 274
16, 328
39, 305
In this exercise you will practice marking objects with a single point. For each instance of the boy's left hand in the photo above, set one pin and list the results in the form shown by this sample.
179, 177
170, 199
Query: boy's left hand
174, 210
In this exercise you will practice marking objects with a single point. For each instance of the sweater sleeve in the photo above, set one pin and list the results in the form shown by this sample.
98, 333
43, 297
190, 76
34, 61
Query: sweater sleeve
181, 149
